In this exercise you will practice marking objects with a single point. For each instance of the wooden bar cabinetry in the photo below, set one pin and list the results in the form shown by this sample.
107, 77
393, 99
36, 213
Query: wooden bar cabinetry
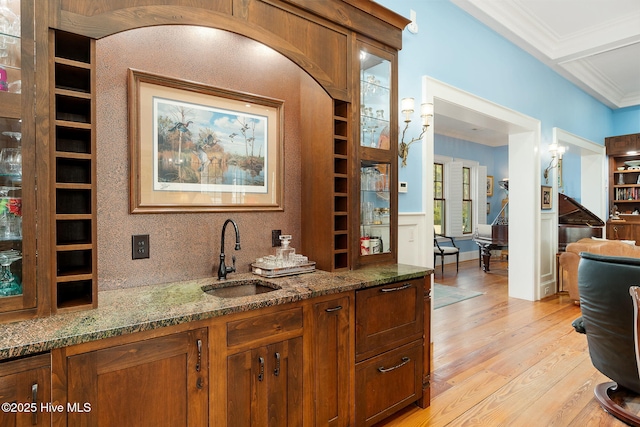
55, 117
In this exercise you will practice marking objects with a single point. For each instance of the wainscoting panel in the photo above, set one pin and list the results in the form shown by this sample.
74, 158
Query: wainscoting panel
414, 243
548, 249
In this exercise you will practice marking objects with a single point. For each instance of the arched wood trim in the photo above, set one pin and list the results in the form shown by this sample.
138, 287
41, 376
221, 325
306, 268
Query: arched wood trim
324, 54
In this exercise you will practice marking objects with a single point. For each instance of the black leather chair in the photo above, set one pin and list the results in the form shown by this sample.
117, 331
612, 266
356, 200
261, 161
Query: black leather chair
443, 249
608, 319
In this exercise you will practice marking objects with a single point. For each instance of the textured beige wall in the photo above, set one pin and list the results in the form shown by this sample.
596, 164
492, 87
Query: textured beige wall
185, 246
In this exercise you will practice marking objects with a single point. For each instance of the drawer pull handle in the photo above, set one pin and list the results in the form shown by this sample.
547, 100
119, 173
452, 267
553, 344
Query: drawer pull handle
332, 309
276, 371
261, 373
384, 370
199, 344
399, 288
34, 400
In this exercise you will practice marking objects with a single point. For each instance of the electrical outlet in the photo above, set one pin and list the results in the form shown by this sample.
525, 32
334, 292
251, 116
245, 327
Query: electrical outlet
140, 246
547, 290
275, 238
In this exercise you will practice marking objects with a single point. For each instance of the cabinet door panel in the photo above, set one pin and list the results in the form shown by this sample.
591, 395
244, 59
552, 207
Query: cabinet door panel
240, 384
284, 366
19, 389
264, 386
161, 381
26, 381
620, 231
331, 362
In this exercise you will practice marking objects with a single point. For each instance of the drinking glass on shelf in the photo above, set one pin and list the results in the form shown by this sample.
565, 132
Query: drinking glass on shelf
9, 21
11, 161
9, 284
10, 214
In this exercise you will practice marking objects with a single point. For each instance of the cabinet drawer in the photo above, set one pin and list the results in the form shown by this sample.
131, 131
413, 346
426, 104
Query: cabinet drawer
388, 316
266, 325
387, 383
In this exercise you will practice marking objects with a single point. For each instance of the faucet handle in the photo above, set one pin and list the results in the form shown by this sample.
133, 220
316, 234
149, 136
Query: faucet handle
233, 261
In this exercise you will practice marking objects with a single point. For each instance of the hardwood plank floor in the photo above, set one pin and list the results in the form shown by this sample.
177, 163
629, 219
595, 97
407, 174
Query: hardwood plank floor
500, 361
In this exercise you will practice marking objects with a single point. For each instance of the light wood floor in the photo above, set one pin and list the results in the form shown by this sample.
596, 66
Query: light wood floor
500, 361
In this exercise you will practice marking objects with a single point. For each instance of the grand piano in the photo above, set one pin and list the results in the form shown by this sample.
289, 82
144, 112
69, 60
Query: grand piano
492, 236
575, 222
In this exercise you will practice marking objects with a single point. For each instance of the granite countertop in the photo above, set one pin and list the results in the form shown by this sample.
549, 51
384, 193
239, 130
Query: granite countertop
124, 311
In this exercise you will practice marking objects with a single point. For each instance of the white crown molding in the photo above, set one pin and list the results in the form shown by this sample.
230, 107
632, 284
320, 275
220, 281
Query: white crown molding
595, 80
569, 54
515, 18
600, 38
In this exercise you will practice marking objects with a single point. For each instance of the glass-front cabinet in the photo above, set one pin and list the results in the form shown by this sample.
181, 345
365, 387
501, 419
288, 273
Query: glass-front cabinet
375, 100
377, 156
17, 208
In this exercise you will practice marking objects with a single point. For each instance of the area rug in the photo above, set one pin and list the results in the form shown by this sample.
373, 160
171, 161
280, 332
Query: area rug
447, 295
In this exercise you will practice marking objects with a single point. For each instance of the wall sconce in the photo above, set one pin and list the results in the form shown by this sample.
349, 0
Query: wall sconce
556, 160
426, 112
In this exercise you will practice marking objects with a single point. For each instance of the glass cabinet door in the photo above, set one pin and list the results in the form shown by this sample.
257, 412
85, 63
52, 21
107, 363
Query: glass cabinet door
375, 101
15, 292
10, 46
375, 208
10, 208
377, 157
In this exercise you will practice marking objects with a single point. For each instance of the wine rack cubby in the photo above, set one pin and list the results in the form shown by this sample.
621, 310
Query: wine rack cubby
74, 172
341, 163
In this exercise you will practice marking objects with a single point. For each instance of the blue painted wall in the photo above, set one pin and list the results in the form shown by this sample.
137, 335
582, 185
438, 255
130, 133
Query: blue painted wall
496, 159
456, 49
626, 120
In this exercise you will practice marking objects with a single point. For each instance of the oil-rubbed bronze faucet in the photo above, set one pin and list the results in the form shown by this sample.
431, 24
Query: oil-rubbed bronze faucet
222, 268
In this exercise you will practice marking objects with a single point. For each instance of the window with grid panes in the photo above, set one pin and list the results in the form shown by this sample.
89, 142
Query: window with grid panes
467, 217
438, 198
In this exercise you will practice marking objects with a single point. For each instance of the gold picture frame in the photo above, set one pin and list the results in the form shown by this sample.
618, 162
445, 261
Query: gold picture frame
546, 197
489, 186
197, 148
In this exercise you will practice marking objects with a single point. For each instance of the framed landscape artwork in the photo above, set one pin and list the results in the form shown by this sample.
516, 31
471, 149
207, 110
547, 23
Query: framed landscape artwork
198, 148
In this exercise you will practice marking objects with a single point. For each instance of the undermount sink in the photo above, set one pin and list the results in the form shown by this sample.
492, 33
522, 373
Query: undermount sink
240, 288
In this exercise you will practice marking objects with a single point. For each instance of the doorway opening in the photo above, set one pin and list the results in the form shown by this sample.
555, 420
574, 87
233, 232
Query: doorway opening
522, 134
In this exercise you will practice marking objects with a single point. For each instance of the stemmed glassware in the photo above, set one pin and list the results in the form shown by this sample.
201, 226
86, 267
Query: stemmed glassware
9, 284
10, 215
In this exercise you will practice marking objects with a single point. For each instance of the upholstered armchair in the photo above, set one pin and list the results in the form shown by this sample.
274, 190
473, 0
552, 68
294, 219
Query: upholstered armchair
443, 249
570, 259
610, 324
